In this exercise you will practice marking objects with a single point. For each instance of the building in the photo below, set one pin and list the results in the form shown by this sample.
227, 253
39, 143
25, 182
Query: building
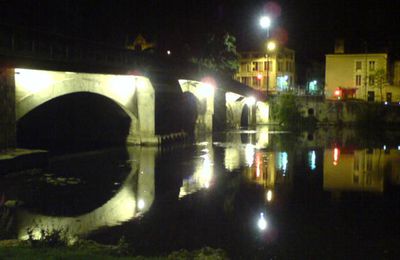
273, 72
363, 76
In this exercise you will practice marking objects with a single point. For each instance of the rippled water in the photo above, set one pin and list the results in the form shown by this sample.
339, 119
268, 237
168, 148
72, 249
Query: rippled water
255, 193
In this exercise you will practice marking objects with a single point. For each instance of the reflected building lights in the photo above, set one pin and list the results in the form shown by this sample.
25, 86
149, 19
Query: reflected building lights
282, 162
141, 204
336, 154
201, 178
269, 195
312, 160
249, 154
262, 222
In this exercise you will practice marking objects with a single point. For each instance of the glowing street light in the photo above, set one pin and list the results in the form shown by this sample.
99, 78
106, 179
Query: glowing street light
271, 46
265, 22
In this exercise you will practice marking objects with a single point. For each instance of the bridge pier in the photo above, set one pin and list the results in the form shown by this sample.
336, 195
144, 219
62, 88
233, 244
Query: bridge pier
7, 109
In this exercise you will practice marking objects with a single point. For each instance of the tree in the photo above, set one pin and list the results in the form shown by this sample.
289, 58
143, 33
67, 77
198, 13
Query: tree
219, 53
286, 111
380, 80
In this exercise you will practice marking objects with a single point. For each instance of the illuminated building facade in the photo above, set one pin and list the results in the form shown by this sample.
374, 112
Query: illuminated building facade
274, 70
362, 76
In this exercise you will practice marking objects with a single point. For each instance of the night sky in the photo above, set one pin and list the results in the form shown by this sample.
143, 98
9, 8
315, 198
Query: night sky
309, 27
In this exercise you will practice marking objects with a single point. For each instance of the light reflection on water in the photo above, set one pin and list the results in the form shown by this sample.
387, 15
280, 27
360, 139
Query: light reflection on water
268, 159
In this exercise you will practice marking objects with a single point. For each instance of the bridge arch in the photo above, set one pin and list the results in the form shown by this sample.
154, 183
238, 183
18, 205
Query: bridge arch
134, 94
204, 97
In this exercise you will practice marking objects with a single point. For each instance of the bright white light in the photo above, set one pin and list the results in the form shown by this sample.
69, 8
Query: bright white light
386, 103
265, 22
384, 147
269, 195
141, 204
262, 223
250, 101
124, 87
33, 81
398, 147
168, 52
205, 90
231, 97
249, 154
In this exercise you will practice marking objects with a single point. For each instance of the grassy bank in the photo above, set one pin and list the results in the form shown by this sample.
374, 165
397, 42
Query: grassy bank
13, 249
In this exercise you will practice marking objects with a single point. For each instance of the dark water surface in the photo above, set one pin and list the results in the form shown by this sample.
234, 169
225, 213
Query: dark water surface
255, 193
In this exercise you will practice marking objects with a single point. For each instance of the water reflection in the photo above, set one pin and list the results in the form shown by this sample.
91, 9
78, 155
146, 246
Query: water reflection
134, 197
362, 169
252, 183
203, 173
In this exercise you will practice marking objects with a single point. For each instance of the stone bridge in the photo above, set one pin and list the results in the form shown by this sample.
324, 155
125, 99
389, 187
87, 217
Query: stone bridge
161, 96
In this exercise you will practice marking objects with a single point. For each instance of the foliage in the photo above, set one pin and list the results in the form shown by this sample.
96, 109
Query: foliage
380, 80
286, 112
219, 53
48, 238
205, 253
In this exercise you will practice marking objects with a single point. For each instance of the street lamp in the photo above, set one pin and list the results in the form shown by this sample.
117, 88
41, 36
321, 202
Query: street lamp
265, 23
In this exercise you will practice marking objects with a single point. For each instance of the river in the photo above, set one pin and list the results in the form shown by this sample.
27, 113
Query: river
256, 193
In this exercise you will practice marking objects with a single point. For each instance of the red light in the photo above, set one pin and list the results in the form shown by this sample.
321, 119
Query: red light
338, 93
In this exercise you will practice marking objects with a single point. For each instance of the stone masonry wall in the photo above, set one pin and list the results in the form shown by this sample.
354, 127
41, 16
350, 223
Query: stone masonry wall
7, 109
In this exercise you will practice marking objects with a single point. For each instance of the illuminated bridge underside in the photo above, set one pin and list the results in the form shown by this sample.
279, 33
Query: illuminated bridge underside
134, 94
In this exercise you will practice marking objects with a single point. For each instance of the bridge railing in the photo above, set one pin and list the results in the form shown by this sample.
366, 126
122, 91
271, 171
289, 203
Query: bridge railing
25, 43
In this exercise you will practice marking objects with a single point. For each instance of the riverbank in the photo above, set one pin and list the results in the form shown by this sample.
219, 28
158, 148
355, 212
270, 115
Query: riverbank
15, 249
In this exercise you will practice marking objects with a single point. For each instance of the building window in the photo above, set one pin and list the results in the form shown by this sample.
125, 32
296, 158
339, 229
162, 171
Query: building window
255, 66
358, 80
372, 65
267, 65
279, 65
358, 65
371, 80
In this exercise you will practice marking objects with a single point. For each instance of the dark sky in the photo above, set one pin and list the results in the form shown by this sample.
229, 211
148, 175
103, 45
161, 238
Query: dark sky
309, 27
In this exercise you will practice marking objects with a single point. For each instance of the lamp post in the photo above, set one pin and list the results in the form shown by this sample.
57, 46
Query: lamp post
265, 23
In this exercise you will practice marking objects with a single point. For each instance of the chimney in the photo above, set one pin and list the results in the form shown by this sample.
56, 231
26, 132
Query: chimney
339, 46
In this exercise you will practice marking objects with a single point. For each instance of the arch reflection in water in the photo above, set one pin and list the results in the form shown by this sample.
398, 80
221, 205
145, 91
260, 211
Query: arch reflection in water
135, 197
203, 173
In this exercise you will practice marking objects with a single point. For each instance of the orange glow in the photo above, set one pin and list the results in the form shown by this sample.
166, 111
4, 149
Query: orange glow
259, 76
336, 154
338, 92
